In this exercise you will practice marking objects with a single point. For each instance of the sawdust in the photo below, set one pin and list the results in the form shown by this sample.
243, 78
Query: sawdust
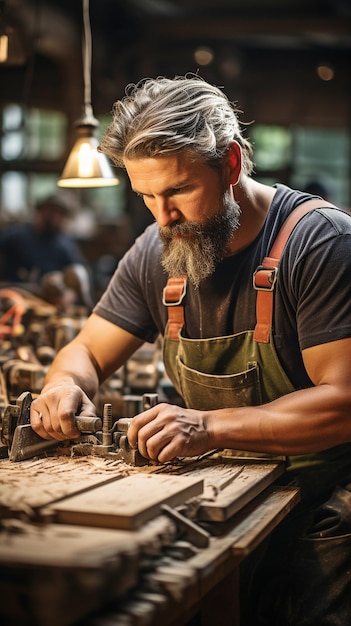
39, 481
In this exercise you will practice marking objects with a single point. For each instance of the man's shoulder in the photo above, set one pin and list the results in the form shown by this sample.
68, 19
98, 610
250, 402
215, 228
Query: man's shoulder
142, 261
330, 219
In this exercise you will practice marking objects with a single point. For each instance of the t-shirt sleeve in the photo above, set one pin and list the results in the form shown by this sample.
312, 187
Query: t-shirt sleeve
319, 262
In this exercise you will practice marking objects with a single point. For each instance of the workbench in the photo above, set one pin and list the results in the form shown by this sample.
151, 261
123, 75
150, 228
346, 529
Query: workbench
91, 542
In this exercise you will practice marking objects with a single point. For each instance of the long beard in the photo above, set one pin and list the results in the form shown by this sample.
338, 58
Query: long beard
194, 249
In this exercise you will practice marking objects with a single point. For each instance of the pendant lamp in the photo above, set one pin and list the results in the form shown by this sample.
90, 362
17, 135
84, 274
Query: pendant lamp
85, 166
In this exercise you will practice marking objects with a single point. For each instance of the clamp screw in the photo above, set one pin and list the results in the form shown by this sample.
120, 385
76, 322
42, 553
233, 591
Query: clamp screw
107, 425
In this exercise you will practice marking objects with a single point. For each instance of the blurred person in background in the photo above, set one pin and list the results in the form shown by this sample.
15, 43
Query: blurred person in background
40, 255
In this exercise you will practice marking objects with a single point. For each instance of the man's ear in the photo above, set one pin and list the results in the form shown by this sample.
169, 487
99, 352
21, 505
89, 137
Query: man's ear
234, 162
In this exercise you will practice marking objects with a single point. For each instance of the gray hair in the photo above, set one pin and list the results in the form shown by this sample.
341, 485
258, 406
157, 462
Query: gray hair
162, 115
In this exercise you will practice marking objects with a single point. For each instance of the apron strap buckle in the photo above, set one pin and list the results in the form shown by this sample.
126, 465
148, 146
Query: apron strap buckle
173, 296
265, 275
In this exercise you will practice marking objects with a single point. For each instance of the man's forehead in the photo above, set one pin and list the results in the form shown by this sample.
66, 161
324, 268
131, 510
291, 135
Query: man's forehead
164, 171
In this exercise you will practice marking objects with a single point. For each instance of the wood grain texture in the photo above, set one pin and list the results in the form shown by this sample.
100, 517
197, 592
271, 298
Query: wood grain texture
39, 481
248, 481
127, 503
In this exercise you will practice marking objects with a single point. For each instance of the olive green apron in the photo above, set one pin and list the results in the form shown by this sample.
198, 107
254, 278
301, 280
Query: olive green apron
224, 372
243, 369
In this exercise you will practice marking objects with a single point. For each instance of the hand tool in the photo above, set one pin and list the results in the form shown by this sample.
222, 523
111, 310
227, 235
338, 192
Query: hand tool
17, 433
113, 442
99, 437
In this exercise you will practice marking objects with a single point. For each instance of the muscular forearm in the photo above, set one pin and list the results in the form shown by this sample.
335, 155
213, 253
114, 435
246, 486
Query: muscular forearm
302, 422
73, 365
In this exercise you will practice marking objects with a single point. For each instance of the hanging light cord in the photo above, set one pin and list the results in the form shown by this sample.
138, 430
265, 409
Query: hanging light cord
87, 54
86, 166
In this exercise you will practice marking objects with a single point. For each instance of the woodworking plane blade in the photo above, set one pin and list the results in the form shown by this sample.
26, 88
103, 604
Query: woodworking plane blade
26, 444
23, 442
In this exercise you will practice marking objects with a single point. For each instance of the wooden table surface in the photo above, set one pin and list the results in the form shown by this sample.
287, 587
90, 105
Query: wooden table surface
88, 541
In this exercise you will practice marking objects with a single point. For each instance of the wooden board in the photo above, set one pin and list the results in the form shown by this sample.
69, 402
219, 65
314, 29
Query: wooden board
260, 517
248, 480
127, 503
38, 482
193, 585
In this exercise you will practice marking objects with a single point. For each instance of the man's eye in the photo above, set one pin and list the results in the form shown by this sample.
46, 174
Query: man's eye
178, 190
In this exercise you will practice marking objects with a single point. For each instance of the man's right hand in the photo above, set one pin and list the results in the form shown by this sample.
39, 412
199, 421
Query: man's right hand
52, 414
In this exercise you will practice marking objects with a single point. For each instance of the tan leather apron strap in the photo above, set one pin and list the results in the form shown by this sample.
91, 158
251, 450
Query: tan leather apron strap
265, 275
173, 295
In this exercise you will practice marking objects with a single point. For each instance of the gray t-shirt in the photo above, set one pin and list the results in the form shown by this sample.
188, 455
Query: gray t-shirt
312, 301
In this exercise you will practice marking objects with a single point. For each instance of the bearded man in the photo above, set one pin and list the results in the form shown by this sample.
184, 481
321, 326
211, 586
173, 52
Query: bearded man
257, 337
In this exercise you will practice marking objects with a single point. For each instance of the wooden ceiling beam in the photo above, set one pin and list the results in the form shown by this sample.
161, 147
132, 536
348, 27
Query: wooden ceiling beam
225, 28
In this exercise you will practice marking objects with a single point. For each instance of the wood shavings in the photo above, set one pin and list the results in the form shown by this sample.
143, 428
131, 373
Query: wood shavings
36, 482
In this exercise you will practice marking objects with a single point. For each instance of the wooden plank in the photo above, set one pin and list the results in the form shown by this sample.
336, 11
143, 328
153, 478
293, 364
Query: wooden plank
243, 533
249, 480
64, 572
54, 545
260, 518
128, 503
37, 482
215, 597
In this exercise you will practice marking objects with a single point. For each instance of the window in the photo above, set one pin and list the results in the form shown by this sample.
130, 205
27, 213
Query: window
28, 137
297, 156
35, 140
323, 155
12, 142
272, 147
32, 134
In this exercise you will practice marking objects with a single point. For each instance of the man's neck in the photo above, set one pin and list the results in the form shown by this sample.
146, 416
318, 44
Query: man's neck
254, 200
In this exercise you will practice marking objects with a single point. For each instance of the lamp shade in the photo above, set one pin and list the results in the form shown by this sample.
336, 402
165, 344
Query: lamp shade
85, 166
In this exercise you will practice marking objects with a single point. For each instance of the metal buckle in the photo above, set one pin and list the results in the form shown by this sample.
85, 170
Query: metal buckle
179, 301
272, 278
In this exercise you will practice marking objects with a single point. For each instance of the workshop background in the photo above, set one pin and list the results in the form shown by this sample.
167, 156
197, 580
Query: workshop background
285, 63
164, 544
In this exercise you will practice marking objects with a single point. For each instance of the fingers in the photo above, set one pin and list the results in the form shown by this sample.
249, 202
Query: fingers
165, 432
53, 422
36, 417
139, 421
53, 412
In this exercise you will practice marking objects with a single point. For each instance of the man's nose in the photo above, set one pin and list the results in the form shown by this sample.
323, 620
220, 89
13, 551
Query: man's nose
166, 212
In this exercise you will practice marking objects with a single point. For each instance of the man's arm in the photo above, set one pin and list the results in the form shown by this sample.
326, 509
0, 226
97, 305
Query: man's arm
301, 422
75, 375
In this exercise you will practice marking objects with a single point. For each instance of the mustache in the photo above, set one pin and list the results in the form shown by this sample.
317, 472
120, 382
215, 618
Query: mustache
189, 229
177, 229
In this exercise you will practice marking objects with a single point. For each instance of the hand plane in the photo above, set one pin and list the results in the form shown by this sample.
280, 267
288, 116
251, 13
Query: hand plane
21, 440
99, 436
